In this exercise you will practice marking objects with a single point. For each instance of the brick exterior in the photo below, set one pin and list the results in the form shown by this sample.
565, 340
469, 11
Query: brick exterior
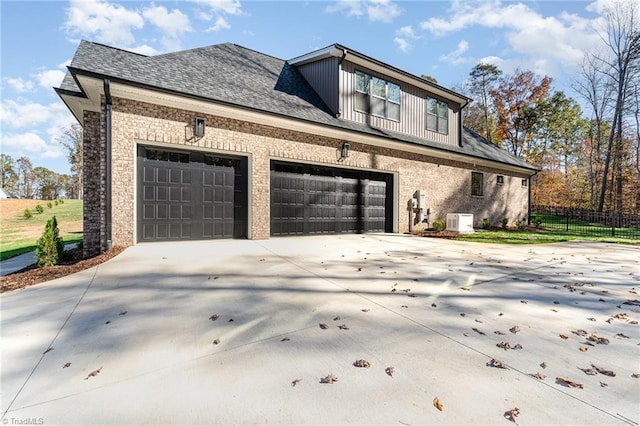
447, 183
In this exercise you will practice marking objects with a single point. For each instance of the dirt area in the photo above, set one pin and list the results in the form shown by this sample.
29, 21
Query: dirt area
33, 275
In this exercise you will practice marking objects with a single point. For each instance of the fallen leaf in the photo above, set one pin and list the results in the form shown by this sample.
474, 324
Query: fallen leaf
362, 363
406, 290
47, 351
601, 300
230, 320
504, 345
337, 319
477, 320
433, 305
498, 364
438, 404
622, 335
343, 327
364, 310
359, 269
598, 340
478, 331
463, 314
295, 382
524, 301
543, 365
94, 373
329, 379
580, 332
569, 383
603, 371
514, 329
633, 322
583, 349
564, 337
465, 334
404, 306
323, 326
554, 310
500, 314
412, 295
390, 371
621, 317
589, 371
500, 333
285, 339
591, 319
517, 346
512, 414
636, 375
67, 365
215, 342
555, 302
214, 317
124, 312
108, 322
538, 376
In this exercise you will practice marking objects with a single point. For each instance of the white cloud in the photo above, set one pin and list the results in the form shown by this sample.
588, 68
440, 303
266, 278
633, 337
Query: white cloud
172, 24
404, 37
19, 84
229, 7
103, 21
375, 10
50, 78
144, 50
220, 24
30, 144
456, 57
25, 114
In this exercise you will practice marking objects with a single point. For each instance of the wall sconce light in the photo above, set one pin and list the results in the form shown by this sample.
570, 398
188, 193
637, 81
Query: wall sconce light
199, 127
344, 152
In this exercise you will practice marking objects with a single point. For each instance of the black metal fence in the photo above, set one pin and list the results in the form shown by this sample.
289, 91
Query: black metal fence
586, 222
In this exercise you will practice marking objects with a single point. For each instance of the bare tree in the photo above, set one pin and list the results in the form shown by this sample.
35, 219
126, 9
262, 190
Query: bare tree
72, 142
483, 79
622, 40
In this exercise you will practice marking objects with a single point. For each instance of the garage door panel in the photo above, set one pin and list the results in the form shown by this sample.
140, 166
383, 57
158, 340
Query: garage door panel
190, 196
326, 200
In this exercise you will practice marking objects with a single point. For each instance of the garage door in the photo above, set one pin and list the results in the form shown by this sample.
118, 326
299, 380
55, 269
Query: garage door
308, 199
190, 196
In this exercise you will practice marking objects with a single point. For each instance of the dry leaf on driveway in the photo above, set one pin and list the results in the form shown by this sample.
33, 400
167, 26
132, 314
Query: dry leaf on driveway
583, 349
479, 332
285, 339
47, 351
94, 373
564, 336
569, 383
214, 317
438, 404
589, 371
499, 333
362, 363
323, 326
598, 340
581, 333
498, 364
512, 414
514, 329
343, 327
67, 365
330, 378
538, 376
390, 371
295, 382
603, 371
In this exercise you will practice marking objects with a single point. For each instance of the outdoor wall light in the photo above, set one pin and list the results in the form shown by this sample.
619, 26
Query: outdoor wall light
344, 153
199, 127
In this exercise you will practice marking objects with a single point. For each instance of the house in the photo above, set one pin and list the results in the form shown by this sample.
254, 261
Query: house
226, 142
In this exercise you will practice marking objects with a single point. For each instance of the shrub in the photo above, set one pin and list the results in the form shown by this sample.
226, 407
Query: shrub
50, 246
49, 204
57, 202
27, 214
521, 224
439, 225
39, 208
505, 221
537, 221
61, 201
486, 224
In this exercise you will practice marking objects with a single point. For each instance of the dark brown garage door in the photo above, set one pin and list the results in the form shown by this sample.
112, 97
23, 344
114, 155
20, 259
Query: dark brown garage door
190, 196
308, 199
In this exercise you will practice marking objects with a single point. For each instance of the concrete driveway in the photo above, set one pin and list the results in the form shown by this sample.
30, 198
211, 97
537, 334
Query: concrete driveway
434, 310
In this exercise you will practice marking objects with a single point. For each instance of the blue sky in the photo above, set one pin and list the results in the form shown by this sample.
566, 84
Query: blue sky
441, 39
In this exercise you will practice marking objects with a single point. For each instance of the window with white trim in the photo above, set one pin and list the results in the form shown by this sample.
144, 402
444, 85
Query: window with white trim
377, 97
437, 116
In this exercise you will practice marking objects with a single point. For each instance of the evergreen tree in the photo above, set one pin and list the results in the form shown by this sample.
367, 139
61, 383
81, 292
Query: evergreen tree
50, 246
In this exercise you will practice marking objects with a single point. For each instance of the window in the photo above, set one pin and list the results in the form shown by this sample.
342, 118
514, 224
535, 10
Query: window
525, 183
437, 116
477, 184
376, 96
499, 179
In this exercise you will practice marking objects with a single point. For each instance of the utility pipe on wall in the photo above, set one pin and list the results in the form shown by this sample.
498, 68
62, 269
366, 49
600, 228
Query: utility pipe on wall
107, 156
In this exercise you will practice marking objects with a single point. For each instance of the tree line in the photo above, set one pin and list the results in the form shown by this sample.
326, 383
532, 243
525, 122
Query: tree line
587, 159
20, 179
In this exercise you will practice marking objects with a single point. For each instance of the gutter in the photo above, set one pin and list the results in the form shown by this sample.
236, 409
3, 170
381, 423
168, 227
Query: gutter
529, 201
107, 156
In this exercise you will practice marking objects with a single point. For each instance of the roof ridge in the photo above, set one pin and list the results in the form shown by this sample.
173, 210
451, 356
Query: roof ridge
114, 48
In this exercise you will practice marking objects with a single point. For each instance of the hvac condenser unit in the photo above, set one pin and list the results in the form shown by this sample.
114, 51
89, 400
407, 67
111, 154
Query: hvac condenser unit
460, 222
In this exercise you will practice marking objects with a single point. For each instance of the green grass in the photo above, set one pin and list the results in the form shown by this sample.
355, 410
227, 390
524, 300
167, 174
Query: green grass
538, 237
19, 235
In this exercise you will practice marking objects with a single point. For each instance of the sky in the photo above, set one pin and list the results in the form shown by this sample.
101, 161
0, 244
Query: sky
443, 39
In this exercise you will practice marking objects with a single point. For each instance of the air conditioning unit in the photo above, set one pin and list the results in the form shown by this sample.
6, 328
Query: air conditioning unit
460, 222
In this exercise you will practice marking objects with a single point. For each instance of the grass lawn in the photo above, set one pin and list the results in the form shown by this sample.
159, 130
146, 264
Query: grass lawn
19, 235
541, 236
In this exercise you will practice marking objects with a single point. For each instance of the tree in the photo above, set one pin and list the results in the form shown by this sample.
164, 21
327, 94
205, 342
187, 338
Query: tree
483, 78
72, 142
47, 183
8, 176
622, 40
50, 246
429, 78
26, 177
515, 100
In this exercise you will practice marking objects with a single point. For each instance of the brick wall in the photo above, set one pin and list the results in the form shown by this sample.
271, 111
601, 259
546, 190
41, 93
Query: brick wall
94, 230
447, 183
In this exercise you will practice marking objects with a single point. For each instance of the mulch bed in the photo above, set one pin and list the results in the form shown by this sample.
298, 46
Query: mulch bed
75, 263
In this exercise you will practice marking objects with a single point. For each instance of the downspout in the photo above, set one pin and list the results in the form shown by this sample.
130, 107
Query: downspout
340, 61
107, 156
460, 126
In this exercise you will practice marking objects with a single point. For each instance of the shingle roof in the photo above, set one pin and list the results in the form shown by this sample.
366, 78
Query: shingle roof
235, 75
